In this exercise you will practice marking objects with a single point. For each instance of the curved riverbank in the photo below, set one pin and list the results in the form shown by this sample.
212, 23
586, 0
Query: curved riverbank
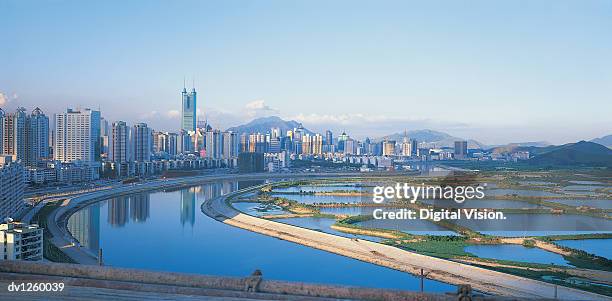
392, 257
57, 220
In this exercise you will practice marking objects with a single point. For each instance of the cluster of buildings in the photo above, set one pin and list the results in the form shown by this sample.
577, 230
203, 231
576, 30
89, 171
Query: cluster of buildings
279, 149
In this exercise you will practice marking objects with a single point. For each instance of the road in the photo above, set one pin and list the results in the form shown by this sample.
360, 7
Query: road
439, 269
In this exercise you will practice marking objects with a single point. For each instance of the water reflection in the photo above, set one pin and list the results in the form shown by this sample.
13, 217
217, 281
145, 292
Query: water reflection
84, 226
139, 207
214, 248
118, 211
188, 207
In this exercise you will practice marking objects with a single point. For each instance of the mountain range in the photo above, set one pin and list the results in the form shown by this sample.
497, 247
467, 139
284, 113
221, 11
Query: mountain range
582, 153
440, 139
264, 124
594, 153
605, 141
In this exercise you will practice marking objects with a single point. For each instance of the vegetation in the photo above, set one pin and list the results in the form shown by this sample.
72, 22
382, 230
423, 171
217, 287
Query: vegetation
50, 251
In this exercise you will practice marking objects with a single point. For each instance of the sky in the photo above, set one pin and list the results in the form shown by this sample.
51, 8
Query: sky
494, 71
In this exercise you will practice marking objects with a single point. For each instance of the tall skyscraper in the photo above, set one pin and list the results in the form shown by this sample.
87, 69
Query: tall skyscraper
188, 113
37, 132
142, 142
14, 134
329, 137
105, 137
2, 116
230, 145
214, 144
461, 149
119, 143
77, 136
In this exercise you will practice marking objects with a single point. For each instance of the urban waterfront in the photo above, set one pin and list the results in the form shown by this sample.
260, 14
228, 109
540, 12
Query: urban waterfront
166, 231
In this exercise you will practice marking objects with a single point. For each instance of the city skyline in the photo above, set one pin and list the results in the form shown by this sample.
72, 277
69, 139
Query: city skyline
545, 70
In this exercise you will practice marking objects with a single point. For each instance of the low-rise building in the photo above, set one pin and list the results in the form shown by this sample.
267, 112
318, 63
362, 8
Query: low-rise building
19, 241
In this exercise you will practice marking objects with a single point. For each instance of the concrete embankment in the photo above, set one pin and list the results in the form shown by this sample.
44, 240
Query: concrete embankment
395, 258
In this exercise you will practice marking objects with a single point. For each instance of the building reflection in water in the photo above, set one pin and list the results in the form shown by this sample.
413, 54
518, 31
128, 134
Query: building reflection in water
139, 207
188, 204
118, 211
84, 225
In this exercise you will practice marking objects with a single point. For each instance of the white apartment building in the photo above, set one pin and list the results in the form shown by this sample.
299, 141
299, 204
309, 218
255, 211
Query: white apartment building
21, 242
77, 138
12, 184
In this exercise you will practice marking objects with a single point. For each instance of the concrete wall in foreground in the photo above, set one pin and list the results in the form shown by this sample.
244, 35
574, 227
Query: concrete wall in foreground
247, 285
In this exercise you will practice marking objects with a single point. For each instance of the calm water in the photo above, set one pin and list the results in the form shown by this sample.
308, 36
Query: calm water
316, 188
493, 204
167, 231
539, 224
602, 204
519, 192
536, 183
587, 182
583, 187
313, 199
323, 225
599, 247
516, 253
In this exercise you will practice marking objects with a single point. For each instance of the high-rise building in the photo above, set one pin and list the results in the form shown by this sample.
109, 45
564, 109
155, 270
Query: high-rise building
142, 144
317, 144
11, 186
414, 147
172, 144
306, 144
77, 136
119, 143
105, 136
461, 149
276, 133
2, 115
350, 146
37, 132
329, 137
244, 143
388, 148
341, 139
230, 145
214, 144
14, 134
188, 113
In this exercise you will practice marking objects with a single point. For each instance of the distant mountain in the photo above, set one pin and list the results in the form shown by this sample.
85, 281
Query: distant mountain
581, 153
440, 139
605, 141
531, 147
524, 144
264, 124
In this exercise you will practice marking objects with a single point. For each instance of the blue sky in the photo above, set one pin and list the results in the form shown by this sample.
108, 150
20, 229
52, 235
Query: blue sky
495, 71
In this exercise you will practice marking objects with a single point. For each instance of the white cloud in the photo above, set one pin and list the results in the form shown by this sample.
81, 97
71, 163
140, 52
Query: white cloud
3, 99
172, 114
259, 108
259, 104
